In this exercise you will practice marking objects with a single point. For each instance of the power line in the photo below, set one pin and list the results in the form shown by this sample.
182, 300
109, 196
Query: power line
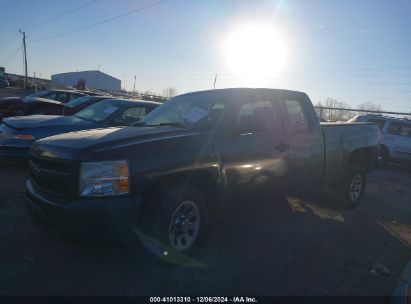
62, 14
13, 55
102, 22
8, 42
334, 70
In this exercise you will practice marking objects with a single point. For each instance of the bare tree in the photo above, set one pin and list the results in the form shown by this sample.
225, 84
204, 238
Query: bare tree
336, 110
149, 92
369, 106
169, 92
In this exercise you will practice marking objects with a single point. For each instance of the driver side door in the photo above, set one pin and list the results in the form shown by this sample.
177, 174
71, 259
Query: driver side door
255, 150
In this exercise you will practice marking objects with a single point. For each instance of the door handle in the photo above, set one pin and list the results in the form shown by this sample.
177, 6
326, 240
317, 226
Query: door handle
282, 147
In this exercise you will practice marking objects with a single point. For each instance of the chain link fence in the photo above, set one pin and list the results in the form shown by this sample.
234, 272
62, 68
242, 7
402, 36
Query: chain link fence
344, 114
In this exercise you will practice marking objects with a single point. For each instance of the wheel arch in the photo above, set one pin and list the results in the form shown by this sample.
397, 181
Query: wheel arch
207, 181
363, 157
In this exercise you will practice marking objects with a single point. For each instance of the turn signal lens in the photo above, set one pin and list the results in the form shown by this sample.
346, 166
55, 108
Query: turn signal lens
122, 169
122, 186
24, 137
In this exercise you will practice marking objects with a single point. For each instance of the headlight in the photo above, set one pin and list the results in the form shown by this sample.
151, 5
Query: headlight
24, 137
104, 178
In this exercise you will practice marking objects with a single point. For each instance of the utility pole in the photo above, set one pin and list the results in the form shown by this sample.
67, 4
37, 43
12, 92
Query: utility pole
134, 87
215, 80
26, 82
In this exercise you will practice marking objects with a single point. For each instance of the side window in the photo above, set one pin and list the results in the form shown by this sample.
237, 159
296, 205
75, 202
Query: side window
394, 128
379, 122
298, 119
405, 130
257, 117
131, 115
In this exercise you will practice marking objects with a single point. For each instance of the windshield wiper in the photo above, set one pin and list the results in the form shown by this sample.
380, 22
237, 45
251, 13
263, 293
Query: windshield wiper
140, 124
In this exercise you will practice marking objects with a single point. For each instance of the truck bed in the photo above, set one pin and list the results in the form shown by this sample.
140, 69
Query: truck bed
343, 124
342, 138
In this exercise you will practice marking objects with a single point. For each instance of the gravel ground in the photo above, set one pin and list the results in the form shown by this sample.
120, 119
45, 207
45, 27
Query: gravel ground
271, 245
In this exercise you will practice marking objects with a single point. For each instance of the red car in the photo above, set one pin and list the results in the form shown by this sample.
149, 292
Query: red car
37, 102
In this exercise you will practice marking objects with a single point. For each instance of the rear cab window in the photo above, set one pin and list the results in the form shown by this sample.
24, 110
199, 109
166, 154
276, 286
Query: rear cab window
297, 118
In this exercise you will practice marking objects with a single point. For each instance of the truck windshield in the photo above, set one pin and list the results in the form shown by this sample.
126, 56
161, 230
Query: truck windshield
187, 112
99, 111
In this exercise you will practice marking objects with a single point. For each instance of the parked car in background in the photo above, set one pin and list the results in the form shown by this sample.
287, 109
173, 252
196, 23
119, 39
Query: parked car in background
73, 106
3, 83
395, 136
159, 179
18, 106
17, 134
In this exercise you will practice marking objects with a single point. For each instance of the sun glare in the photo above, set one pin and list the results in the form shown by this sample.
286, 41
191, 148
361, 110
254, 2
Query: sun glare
255, 50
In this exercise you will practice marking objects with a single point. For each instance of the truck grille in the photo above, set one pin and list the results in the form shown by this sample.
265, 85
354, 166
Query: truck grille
54, 176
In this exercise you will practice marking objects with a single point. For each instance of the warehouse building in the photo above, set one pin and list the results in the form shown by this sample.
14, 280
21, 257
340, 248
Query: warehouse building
90, 79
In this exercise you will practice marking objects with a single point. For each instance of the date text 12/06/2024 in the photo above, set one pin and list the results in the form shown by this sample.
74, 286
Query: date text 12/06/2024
203, 300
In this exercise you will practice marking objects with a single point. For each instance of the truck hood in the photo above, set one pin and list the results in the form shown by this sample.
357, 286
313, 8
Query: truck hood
44, 121
83, 144
39, 99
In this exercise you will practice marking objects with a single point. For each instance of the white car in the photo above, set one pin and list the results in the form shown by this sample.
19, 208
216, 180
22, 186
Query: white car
395, 136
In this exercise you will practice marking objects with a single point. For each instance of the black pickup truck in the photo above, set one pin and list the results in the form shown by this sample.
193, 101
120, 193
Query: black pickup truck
160, 177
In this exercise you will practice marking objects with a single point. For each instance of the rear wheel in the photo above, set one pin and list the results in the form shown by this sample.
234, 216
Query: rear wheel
351, 189
174, 223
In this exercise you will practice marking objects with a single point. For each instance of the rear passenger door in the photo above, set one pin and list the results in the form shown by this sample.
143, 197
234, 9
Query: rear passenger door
306, 156
254, 151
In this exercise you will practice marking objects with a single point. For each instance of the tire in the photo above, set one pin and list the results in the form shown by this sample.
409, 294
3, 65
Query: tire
174, 224
351, 189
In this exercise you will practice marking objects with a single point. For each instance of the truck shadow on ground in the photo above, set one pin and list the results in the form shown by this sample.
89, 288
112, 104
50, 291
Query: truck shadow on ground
275, 244
268, 244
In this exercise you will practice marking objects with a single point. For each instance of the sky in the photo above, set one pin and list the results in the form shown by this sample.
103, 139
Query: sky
355, 51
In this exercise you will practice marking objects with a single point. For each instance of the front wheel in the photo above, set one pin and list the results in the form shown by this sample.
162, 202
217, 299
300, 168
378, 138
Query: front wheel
174, 223
351, 188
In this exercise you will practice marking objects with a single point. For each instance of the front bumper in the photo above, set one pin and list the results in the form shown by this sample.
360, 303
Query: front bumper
92, 217
15, 149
